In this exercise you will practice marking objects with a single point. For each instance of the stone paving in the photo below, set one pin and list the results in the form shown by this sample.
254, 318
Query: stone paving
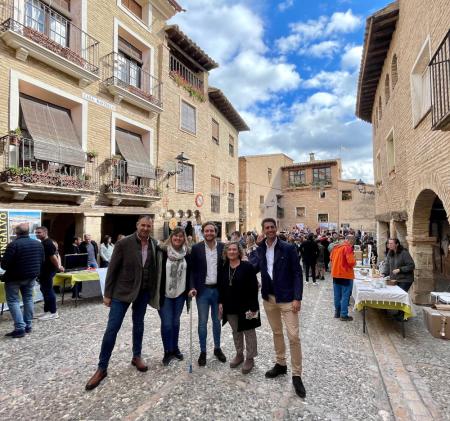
42, 376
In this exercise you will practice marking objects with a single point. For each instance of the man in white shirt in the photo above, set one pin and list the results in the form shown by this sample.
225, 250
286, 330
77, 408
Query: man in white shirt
206, 256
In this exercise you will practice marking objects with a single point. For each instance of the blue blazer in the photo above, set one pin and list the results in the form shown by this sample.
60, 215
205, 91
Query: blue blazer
287, 273
198, 265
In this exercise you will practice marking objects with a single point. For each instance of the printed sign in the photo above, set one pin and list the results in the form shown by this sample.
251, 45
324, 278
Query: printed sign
98, 101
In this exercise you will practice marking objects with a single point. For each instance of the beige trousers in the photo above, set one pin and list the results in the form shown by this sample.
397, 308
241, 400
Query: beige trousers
277, 313
238, 338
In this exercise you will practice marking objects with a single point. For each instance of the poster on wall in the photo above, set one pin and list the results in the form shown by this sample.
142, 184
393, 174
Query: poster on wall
198, 232
10, 218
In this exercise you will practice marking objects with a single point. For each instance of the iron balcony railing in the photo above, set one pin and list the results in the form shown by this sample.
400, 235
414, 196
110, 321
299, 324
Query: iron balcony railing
122, 183
20, 166
440, 86
178, 69
119, 71
46, 27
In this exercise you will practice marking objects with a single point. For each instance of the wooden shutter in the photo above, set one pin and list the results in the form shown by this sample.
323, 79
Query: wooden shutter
185, 180
188, 118
215, 131
215, 186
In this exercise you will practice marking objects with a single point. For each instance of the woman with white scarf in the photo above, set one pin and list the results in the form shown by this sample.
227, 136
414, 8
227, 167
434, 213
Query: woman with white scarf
174, 289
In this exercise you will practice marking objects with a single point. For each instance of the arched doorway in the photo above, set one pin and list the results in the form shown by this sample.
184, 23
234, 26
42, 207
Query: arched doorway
429, 245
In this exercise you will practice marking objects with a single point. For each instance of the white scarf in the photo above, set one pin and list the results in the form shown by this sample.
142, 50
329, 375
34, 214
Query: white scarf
175, 272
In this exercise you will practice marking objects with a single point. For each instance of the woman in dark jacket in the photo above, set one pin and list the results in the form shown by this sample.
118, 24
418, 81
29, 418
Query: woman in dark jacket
238, 304
399, 264
173, 291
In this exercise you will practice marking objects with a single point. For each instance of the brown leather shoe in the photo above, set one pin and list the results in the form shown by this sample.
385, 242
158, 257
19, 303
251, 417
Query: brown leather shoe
248, 365
96, 379
139, 363
236, 361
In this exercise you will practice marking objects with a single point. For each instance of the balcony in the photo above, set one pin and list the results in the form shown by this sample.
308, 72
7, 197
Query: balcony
440, 86
125, 188
126, 81
186, 78
23, 175
34, 29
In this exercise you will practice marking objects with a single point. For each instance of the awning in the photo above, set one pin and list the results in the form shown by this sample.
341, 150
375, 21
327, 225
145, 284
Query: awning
53, 133
132, 149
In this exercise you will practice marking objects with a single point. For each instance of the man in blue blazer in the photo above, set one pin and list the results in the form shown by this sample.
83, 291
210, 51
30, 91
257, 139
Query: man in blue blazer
206, 258
281, 290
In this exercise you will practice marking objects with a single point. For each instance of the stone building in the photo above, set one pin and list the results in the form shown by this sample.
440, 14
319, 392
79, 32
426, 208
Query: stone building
101, 104
260, 189
309, 193
403, 91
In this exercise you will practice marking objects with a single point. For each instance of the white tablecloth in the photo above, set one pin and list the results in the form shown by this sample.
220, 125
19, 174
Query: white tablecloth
102, 275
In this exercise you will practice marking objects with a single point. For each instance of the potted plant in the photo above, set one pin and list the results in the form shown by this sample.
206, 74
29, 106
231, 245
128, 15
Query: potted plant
91, 155
15, 137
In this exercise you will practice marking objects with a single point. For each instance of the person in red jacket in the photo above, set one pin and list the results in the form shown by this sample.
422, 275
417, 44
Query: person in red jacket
342, 264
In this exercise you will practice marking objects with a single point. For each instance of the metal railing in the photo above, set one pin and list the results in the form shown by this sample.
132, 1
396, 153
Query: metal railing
121, 182
215, 203
120, 71
440, 85
178, 69
46, 27
20, 166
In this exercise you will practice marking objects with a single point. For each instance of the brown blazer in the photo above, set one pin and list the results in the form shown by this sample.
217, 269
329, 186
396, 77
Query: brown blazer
124, 276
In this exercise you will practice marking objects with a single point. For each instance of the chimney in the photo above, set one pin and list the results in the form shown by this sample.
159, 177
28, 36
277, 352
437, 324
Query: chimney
311, 156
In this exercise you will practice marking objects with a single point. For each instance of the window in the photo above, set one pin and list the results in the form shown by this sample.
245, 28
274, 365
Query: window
261, 200
134, 7
185, 180
130, 63
380, 108
215, 131
378, 169
420, 85
387, 88
300, 212
230, 197
346, 195
41, 18
322, 195
188, 117
269, 173
297, 178
215, 194
394, 71
322, 174
390, 152
231, 145
322, 217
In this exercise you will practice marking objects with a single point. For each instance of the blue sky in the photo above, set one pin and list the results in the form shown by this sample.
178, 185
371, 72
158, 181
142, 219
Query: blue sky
290, 67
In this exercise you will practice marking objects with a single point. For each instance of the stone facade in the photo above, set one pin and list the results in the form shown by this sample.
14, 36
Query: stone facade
97, 109
260, 189
411, 149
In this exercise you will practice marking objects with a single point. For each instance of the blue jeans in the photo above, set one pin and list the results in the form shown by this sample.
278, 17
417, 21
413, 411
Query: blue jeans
12, 290
342, 295
209, 297
117, 313
170, 314
46, 283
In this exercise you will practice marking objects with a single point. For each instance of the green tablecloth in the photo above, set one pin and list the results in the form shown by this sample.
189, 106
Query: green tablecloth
70, 278
407, 310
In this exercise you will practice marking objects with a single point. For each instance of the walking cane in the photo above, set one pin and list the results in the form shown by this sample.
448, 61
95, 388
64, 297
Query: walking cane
190, 337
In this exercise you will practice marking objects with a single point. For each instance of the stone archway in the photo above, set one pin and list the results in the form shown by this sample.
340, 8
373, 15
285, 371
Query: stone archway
423, 241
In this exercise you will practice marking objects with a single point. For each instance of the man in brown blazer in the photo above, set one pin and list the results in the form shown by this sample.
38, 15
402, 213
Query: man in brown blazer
132, 278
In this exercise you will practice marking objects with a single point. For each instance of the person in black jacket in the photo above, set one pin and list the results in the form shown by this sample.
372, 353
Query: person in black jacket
22, 262
90, 247
75, 249
309, 252
173, 291
238, 304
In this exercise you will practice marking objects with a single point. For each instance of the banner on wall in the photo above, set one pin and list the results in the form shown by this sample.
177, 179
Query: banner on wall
10, 218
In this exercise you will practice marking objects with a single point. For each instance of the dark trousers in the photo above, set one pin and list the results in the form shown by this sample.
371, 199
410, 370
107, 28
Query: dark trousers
309, 266
117, 313
46, 285
170, 314
405, 286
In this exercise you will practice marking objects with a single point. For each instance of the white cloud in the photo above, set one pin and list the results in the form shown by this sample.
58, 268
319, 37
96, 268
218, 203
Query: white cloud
284, 5
303, 34
322, 49
351, 59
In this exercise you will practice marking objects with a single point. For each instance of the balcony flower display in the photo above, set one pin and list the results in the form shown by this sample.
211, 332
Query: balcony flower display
181, 81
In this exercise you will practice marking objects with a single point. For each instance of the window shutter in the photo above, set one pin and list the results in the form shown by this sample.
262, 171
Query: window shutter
188, 121
215, 131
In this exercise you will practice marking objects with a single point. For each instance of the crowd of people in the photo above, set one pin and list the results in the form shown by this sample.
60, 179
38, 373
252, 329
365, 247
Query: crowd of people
221, 276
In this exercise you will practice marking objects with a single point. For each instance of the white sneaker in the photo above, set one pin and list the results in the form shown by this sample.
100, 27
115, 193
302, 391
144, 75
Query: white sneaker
49, 316
39, 315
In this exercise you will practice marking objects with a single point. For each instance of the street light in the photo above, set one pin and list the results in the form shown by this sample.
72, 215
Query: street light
362, 188
181, 159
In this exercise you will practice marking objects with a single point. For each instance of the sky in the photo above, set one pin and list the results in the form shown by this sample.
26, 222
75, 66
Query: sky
290, 68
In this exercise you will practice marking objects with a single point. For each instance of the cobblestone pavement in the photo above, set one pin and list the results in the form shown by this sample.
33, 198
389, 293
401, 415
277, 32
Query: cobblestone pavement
42, 376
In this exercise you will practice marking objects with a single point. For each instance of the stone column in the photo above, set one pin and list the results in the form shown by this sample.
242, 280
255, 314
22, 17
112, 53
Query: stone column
421, 249
382, 236
400, 231
92, 224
